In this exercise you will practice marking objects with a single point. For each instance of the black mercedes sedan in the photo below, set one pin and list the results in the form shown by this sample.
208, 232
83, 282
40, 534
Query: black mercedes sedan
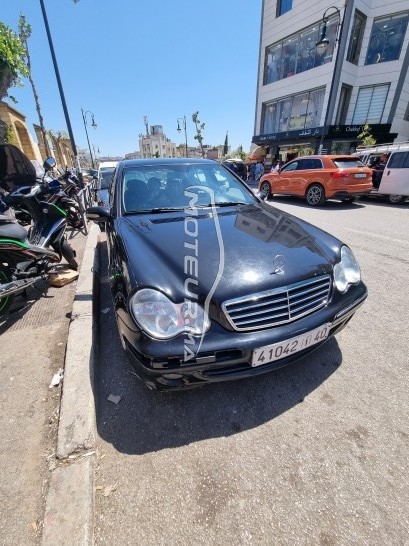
210, 283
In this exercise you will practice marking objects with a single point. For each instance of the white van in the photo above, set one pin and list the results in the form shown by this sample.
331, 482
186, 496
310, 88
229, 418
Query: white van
394, 183
106, 165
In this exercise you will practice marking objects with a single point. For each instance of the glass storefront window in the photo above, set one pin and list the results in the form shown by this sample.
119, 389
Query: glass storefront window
357, 34
296, 112
298, 53
306, 50
386, 39
273, 65
289, 57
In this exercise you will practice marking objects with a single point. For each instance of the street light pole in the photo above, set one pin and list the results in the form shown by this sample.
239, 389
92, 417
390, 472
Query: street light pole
322, 44
57, 74
96, 150
84, 118
183, 120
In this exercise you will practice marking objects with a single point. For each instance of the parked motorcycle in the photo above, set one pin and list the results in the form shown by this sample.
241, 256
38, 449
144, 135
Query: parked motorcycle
64, 193
28, 256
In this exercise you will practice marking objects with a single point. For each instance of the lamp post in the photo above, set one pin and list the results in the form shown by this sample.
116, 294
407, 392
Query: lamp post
321, 45
57, 74
183, 120
96, 149
94, 125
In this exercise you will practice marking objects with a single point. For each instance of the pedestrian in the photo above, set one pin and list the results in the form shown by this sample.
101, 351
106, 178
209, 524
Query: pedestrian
378, 170
258, 170
252, 175
275, 167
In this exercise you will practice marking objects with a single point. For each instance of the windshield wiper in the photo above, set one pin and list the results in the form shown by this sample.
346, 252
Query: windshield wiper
154, 210
164, 209
230, 203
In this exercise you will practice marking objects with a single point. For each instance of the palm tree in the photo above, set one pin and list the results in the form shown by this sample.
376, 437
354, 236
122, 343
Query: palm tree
25, 33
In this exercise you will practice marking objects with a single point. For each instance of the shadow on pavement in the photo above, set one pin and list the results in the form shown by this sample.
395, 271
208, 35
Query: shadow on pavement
145, 421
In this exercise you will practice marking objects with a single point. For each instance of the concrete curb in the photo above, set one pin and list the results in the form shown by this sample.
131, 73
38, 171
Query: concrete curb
70, 501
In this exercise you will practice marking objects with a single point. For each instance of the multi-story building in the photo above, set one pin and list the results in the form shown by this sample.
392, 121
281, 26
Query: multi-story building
156, 144
327, 69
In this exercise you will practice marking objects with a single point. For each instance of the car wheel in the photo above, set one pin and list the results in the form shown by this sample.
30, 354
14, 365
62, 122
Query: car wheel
348, 200
265, 188
396, 199
315, 195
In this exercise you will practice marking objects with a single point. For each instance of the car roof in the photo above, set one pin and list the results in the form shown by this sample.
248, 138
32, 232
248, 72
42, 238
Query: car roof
165, 161
328, 156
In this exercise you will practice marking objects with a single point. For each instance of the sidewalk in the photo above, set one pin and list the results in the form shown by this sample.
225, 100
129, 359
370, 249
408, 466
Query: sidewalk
33, 343
68, 516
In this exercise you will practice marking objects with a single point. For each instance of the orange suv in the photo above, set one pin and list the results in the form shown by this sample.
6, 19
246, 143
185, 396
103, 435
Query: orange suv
317, 178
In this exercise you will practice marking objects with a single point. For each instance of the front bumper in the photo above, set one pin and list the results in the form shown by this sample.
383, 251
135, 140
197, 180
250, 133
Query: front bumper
162, 365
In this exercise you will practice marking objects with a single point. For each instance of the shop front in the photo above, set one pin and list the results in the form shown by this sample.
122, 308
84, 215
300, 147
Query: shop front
339, 139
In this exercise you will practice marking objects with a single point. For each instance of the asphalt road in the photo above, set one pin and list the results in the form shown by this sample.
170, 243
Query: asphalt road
316, 453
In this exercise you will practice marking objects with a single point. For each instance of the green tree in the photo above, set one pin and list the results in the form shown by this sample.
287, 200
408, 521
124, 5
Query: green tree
199, 128
10, 136
12, 60
366, 136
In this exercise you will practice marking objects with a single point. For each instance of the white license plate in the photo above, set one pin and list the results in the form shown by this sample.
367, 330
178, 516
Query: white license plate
359, 175
276, 351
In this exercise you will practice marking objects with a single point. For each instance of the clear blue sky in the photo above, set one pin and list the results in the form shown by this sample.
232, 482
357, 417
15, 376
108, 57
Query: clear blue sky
126, 59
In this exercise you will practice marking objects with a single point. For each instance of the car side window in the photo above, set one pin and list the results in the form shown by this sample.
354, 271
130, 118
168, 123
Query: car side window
290, 167
399, 160
309, 164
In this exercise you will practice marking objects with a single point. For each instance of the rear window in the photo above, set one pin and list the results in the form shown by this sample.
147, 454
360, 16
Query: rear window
399, 160
346, 162
106, 177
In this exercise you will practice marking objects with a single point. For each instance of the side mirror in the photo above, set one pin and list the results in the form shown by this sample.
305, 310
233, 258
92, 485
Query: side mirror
100, 215
261, 195
49, 163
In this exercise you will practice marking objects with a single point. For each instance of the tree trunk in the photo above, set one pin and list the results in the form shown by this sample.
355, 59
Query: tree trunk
5, 82
37, 101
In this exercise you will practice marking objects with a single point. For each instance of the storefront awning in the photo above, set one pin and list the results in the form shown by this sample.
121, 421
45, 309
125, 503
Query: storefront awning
258, 153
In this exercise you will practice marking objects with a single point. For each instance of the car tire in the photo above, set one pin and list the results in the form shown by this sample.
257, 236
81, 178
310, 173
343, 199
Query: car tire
266, 188
315, 195
396, 199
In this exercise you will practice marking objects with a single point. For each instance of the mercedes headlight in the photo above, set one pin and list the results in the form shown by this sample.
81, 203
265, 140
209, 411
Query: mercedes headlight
346, 272
159, 317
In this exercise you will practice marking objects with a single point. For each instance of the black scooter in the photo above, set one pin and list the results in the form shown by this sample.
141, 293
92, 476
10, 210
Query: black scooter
28, 256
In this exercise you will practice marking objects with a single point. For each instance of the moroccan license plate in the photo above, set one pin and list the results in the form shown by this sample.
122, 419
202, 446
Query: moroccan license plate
359, 175
276, 351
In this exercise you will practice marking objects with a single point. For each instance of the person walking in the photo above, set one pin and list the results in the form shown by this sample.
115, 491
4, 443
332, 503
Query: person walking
259, 170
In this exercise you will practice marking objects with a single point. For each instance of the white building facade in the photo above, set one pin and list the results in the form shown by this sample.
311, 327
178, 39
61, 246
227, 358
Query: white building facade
156, 144
312, 99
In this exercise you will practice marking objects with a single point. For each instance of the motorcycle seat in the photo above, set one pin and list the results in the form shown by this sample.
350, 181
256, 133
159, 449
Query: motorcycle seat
10, 229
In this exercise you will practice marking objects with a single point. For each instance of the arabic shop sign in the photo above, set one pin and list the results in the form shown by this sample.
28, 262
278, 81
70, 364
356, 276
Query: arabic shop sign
314, 132
379, 131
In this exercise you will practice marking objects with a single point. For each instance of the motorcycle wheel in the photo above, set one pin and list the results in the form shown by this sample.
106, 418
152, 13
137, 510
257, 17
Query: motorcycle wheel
5, 303
68, 254
77, 219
